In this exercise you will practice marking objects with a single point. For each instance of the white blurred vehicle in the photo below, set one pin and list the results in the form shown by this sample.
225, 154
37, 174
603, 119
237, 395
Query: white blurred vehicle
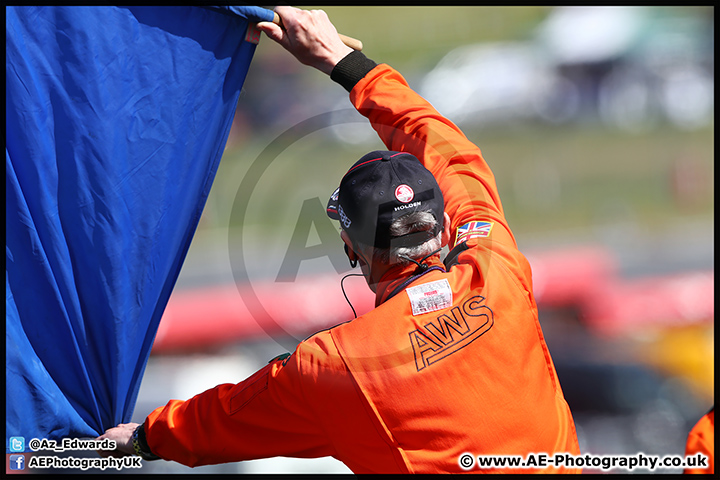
498, 82
635, 66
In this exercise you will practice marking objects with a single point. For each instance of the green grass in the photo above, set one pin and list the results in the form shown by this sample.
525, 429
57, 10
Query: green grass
550, 179
419, 36
601, 175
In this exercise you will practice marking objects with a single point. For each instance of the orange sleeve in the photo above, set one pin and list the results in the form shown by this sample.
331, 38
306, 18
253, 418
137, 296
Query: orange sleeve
702, 440
407, 122
265, 415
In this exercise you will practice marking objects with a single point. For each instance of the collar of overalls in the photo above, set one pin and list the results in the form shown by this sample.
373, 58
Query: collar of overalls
399, 277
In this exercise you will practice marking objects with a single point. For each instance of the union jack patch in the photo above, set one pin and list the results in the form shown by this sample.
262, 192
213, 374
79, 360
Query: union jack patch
473, 230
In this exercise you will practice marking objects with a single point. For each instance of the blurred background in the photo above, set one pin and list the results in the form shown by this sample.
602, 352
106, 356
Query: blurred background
598, 124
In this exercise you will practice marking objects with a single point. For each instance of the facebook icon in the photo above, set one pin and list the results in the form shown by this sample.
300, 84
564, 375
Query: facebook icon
17, 462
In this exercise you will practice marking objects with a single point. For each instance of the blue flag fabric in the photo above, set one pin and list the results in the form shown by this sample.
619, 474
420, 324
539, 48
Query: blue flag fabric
116, 119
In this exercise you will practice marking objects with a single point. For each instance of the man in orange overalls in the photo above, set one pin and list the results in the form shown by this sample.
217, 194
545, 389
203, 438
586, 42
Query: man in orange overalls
450, 367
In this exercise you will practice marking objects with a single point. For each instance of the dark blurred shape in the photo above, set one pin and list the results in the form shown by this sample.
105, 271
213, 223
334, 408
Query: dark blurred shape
608, 388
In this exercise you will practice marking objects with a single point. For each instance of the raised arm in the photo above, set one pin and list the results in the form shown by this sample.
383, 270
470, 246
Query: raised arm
407, 122
309, 36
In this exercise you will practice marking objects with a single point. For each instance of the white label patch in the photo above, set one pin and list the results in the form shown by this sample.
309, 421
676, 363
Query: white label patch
430, 297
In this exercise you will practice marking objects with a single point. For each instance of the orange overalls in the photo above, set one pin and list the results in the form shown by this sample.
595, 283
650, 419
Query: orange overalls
701, 439
453, 364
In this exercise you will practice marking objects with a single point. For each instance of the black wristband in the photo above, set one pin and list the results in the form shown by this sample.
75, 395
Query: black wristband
140, 444
351, 69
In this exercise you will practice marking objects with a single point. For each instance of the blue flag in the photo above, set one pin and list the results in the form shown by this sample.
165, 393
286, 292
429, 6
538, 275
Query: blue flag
116, 119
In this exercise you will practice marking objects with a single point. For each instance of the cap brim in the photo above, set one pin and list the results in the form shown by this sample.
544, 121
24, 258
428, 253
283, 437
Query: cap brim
332, 206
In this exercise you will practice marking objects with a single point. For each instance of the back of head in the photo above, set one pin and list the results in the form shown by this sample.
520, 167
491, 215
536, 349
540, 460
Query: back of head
421, 223
389, 201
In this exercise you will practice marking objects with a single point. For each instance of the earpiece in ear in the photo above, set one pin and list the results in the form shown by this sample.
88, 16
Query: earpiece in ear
353, 263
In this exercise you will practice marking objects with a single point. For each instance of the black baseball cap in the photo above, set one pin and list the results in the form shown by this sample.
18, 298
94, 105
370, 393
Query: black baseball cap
379, 188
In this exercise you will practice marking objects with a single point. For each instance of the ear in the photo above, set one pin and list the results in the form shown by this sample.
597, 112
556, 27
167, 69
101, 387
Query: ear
445, 237
348, 247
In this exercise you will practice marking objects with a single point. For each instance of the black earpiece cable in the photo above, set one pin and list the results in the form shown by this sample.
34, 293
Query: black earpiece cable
342, 286
422, 267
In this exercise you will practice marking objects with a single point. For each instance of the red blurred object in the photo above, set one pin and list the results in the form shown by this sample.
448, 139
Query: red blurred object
565, 277
224, 314
625, 306
585, 278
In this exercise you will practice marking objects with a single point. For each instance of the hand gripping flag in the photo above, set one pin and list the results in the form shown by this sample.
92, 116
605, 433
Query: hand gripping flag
116, 119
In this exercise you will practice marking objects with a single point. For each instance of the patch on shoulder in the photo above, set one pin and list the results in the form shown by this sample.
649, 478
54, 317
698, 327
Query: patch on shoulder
430, 297
476, 229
